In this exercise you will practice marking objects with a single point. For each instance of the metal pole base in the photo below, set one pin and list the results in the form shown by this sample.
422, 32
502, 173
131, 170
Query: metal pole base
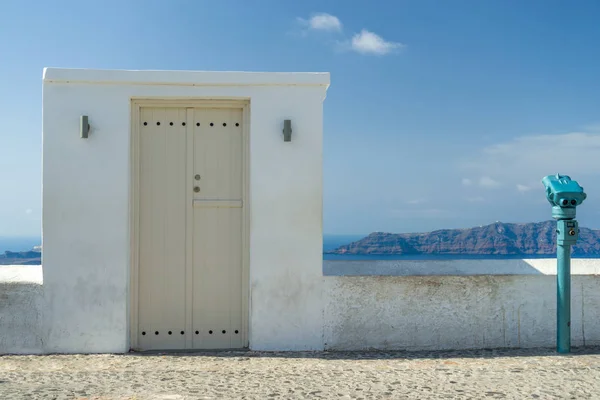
567, 232
563, 298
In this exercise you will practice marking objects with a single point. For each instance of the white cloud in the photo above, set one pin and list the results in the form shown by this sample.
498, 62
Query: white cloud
367, 42
593, 127
325, 22
523, 188
530, 158
28, 211
467, 182
322, 22
488, 182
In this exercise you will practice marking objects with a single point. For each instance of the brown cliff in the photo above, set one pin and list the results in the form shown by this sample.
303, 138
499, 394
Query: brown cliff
538, 238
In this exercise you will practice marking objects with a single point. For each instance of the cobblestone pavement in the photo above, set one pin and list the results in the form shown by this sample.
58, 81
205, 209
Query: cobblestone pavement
482, 374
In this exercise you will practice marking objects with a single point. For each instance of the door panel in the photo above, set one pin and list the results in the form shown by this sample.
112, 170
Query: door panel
217, 255
162, 255
218, 153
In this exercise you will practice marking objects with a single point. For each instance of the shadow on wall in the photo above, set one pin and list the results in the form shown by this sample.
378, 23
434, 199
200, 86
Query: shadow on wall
435, 267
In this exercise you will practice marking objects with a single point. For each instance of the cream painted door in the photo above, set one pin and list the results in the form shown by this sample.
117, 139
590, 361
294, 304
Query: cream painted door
190, 230
217, 208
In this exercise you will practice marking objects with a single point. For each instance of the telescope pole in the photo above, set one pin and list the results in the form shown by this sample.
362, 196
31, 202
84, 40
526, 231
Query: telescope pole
567, 231
563, 297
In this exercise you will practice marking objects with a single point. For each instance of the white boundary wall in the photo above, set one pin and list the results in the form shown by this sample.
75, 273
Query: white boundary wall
21, 309
369, 311
455, 312
455, 304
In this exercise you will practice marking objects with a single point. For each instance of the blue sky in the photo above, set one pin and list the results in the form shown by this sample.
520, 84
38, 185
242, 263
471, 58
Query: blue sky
440, 114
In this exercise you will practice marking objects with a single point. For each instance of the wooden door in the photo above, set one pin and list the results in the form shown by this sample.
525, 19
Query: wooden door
190, 233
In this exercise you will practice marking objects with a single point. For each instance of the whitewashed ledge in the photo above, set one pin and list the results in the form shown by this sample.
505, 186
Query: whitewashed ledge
538, 266
21, 309
21, 273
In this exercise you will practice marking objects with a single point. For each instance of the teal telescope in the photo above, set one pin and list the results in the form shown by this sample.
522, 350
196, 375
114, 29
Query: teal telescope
565, 195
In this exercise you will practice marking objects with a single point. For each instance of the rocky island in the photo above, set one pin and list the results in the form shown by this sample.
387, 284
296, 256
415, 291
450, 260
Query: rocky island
31, 257
537, 238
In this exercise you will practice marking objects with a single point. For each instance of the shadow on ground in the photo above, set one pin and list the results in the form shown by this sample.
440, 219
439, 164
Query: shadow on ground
377, 355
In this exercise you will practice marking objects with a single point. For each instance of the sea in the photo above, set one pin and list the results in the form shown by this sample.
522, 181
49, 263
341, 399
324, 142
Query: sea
330, 242
19, 243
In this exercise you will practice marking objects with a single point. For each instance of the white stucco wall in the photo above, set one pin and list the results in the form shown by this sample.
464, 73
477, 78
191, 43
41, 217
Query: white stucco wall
21, 308
453, 305
86, 185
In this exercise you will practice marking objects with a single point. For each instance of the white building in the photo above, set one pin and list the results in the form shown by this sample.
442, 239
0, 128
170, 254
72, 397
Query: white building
182, 219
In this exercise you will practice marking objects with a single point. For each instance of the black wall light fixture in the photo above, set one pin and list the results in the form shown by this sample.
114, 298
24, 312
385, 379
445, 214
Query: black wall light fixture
287, 130
84, 126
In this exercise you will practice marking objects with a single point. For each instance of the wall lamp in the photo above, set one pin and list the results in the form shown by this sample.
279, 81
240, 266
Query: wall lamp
287, 130
84, 126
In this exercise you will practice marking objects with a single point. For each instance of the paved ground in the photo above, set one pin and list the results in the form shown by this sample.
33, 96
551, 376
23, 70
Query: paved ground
517, 374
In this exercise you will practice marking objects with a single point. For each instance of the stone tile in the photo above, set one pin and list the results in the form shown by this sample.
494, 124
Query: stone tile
507, 374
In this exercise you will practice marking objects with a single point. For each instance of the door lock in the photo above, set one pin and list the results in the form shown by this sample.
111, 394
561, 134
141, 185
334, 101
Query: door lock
196, 189
197, 177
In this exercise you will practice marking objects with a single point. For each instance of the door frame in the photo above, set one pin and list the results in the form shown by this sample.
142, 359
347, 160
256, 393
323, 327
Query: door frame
134, 218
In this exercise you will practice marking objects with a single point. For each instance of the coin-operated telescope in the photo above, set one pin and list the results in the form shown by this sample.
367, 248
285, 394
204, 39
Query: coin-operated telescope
565, 195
